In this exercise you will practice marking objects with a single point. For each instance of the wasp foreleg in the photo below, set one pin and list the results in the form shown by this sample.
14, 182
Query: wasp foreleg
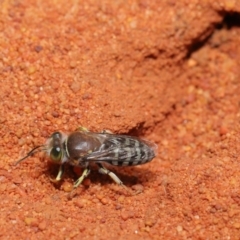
59, 175
82, 177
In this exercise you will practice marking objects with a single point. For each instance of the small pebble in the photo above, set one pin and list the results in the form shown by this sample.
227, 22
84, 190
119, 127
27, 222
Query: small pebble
67, 187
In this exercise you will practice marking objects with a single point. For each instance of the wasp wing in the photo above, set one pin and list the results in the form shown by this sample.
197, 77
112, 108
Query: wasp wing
121, 150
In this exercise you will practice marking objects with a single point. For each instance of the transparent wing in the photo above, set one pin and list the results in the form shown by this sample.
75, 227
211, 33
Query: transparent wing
118, 149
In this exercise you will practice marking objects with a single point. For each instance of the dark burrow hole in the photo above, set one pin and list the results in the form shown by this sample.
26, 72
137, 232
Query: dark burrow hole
230, 20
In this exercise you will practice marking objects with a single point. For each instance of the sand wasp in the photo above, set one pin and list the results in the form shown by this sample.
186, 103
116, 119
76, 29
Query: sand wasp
82, 147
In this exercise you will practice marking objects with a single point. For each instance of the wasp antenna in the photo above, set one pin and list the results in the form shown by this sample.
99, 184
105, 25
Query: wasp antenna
32, 152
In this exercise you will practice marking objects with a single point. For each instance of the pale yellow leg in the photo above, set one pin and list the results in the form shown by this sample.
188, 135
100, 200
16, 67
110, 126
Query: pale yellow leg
59, 175
83, 176
106, 131
112, 175
82, 129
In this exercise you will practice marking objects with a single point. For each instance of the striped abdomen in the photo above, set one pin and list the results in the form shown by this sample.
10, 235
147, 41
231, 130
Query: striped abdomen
121, 150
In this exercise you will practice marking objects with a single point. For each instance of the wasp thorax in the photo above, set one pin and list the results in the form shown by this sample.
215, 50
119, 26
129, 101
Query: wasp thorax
80, 144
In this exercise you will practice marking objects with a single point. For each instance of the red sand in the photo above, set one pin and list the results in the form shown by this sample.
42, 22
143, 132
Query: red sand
168, 72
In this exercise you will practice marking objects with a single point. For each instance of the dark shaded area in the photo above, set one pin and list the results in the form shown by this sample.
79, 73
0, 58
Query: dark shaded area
199, 43
230, 20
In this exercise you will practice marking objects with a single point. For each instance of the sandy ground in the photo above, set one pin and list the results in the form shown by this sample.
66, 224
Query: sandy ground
168, 72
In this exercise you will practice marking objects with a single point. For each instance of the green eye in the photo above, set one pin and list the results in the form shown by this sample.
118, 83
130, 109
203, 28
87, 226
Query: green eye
56, 154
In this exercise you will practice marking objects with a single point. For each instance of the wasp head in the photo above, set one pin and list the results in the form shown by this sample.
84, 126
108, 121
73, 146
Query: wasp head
53, 148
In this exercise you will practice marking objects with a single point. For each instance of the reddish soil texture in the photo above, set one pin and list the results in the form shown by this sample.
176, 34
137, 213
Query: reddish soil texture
164, 70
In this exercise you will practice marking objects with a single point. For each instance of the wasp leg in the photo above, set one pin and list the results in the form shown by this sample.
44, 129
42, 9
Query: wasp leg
59, 175
106, 131
84, 175
112, 175
82, 129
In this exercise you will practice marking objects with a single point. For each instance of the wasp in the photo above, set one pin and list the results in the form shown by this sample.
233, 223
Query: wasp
82, 147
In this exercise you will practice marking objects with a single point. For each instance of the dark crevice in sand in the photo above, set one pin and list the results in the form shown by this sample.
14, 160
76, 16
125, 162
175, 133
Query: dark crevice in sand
230, 20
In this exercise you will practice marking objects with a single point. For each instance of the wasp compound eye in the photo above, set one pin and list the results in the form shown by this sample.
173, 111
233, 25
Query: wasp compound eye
56, 154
